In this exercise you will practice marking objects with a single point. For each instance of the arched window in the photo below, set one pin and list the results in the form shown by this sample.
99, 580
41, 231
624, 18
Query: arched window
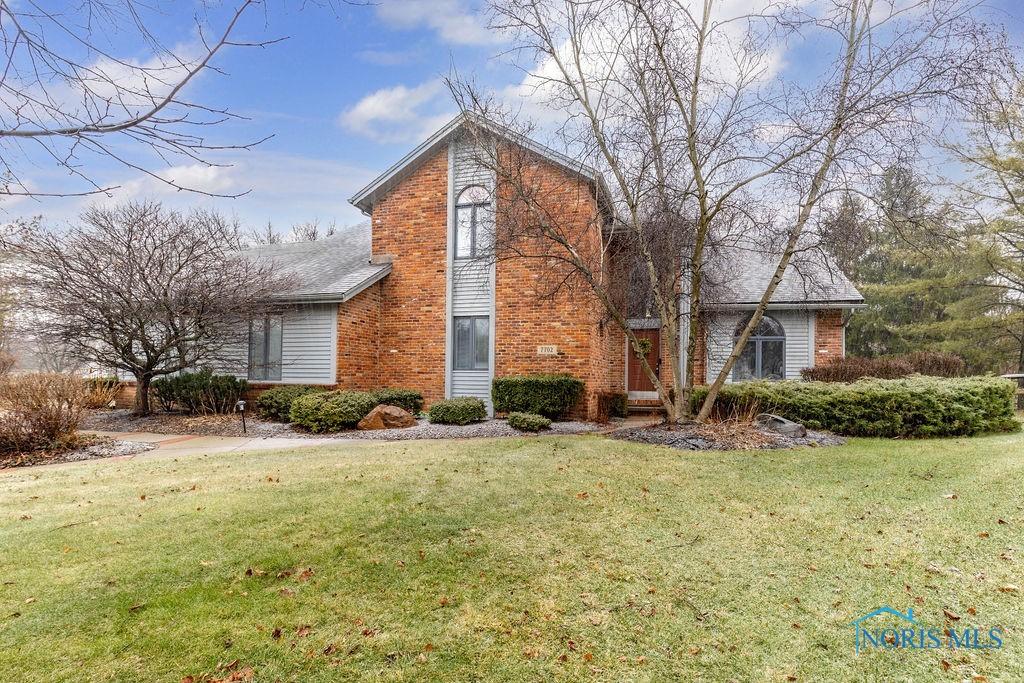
764, 356
472, 222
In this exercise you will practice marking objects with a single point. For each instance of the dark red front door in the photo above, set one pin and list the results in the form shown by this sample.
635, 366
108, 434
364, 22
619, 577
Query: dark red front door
637, 379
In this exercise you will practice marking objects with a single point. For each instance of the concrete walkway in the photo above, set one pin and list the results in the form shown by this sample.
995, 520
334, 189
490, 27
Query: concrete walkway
190, 444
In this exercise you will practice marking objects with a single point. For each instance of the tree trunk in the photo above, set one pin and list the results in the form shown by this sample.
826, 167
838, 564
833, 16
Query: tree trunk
142, 404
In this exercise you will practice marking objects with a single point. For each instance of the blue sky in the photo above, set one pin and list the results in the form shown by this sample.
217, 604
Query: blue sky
350, 91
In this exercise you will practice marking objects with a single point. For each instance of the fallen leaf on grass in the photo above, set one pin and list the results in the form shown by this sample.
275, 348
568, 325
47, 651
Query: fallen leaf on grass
972, 611
952, 616
951, 496
583, 495
1009, 588
305, 574
945, 665
136, 607
29, 601
276, 635
983, 534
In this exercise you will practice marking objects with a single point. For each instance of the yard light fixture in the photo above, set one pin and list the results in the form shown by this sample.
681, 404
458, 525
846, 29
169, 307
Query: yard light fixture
240, 407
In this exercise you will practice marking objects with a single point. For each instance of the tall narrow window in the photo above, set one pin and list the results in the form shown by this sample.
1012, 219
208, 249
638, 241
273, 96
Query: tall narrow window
472, 342
265, 336
472, 223
764, 356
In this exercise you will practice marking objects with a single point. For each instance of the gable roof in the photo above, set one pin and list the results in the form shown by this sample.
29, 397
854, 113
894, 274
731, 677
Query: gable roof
741, 272
329, 270
365, 198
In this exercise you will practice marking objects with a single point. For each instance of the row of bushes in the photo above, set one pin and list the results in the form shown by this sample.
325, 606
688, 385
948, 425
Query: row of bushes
911, 407
199, 393
852, 368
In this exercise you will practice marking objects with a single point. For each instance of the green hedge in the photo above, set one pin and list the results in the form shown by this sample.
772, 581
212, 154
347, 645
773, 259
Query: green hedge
199, 393
528, 422
458, 411
406, 399
911, 407
547, 395
276, 404
331, 411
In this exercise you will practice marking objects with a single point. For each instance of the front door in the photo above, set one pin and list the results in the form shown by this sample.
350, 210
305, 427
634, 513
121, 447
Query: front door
638, 384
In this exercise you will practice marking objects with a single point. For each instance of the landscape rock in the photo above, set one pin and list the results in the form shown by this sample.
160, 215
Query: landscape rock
781, 425
387, 417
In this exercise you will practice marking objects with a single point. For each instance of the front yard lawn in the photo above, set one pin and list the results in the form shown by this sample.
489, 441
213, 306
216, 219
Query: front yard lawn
519, 559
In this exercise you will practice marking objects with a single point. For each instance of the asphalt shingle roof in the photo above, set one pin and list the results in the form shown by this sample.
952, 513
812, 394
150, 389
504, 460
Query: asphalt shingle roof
739, 275
332, 269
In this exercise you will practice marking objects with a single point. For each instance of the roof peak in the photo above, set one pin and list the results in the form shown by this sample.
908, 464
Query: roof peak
365, 198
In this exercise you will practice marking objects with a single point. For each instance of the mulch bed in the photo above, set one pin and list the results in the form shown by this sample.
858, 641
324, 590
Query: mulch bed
86, 447
724, 436
231, 425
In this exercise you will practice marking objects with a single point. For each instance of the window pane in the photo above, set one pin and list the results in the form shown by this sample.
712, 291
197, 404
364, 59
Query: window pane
257, 349
464, 232
482, 345
275, 333
484, 229
773, 360
463, 343
746, 365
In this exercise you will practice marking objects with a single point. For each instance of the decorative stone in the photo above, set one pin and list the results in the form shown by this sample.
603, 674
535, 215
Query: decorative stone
387, 417
780, 425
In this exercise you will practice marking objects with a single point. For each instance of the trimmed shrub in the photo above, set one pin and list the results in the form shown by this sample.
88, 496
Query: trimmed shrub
936, 363
199, 393
612, 404
39, 410
528, 422
406, 399
458, 411
547, 395
852, 368
911, 407
331, 411
276, 403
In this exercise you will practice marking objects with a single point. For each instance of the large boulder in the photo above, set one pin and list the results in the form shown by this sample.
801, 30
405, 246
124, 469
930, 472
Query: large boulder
387, 417
780, 425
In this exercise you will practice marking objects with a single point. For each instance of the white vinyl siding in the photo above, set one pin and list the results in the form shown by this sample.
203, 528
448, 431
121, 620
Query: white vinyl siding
472, 280
799, 343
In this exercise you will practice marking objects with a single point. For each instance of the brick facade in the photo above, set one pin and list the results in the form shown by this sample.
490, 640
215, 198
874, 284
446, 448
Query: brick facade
359, 340
573, 320
410, 225
829, 341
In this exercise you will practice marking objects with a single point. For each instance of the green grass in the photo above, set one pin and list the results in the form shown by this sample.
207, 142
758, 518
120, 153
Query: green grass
529, 559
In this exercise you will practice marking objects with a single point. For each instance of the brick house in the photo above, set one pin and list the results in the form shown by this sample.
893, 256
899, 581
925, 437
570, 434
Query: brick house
405, 300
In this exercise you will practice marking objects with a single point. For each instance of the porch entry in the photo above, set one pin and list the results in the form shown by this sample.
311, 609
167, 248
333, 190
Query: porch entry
638, 386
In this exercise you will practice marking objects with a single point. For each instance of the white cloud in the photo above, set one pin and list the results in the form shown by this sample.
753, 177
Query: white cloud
455, 21
399, 114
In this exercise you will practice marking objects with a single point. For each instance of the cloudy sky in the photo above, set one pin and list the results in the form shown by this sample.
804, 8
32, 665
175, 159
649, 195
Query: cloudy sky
351, 90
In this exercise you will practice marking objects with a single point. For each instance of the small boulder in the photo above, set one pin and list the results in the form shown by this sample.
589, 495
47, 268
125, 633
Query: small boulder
780, 425
387, 417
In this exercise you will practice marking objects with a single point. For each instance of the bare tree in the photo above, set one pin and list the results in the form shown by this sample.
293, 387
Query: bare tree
143, 290
682, 106
311, 231
65, 94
